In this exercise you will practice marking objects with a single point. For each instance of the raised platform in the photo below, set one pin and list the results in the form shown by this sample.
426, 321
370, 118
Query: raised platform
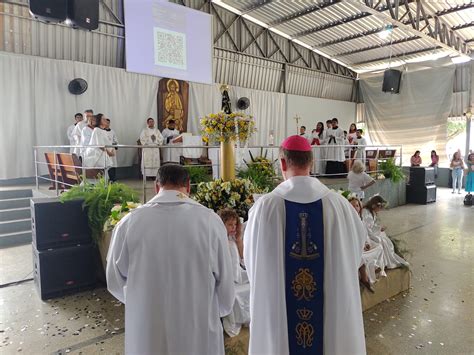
397, 281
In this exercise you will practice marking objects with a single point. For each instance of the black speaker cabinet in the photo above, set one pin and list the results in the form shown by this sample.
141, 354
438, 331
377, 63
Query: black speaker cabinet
64, 270
84, 13
421, 194
422, 176
49, 10
391, 81
56, 224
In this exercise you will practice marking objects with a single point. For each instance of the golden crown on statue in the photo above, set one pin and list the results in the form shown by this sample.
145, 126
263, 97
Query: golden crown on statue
304, 314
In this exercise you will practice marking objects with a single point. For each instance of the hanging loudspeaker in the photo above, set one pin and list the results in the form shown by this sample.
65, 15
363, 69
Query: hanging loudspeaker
77, 86
243, 103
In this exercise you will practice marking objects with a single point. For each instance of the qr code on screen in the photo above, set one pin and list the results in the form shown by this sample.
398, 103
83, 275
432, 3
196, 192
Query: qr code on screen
170, 48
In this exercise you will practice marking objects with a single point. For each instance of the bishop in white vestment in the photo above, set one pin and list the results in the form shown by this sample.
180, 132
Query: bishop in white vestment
302, 266
169, 263
150, 136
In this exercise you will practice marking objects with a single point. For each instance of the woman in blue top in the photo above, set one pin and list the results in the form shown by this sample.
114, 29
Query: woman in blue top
470, 173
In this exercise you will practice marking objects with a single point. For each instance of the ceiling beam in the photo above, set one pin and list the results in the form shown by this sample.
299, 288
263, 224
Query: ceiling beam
454, 9
304, 12
463, 26
350, 37
331, 25
440, 36
376, 46
256, 5
397, 56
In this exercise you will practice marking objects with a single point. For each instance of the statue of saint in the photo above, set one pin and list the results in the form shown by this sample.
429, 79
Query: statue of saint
173, 105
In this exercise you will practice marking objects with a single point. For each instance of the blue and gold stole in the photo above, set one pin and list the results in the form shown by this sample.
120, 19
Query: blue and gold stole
304, 277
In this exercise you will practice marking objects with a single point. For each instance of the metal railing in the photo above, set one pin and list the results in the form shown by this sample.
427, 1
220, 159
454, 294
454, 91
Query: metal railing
53, 170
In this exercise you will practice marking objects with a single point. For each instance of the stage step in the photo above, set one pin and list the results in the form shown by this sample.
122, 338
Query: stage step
8, 240
10, 203
15, 226
15, 217
15, 213
9, 194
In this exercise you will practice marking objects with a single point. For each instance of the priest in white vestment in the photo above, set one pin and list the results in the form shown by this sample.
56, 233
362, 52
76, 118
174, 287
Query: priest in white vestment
169, 263
77, 132
302, 267
150, 136
335, 152
72, 141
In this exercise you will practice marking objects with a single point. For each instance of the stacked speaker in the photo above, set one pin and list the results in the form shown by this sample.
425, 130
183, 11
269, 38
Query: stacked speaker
79, 13
63, 253
421, 188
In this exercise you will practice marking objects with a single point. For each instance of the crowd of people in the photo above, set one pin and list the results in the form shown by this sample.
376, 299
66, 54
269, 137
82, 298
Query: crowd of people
331, 159
299, 240
457, 165
90, 131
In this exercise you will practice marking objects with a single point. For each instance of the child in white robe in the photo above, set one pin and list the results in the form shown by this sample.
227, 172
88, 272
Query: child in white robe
372, 256
377, 233
241, 311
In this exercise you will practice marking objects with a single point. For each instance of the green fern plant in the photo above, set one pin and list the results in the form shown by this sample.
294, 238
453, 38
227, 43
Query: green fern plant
198, 174
99, 199
391, 170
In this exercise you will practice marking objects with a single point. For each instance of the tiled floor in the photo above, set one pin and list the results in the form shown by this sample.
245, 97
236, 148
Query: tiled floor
435, 317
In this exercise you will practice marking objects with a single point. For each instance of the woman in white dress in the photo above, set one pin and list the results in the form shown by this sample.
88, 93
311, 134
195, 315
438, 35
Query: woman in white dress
359, 180
241, 311
317, 140
372, 255
377, 233
150, 136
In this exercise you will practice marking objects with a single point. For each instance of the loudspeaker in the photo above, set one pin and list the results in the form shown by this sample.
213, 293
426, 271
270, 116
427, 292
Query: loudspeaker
49, 10
421, 194
84, 13
422, 176
57, 224
391, 81
63, 271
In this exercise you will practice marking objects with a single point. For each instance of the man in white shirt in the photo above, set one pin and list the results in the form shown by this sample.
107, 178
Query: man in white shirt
301, 265
169, 263
78, 118
77, 132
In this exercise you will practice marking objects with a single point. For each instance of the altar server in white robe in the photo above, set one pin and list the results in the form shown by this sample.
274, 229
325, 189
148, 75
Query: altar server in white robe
377, 233
150, 136
100, 158
112, 137
169, 263
72, 141
77, 132
170, 132
360, 142
302, 267
335, 136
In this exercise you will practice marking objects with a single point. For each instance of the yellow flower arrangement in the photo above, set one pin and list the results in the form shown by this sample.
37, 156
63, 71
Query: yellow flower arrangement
222, 127
118, 212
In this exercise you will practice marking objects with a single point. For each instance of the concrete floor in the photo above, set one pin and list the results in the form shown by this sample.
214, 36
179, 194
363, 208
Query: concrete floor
435, 317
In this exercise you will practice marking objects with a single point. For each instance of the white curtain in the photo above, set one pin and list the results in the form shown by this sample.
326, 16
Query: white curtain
416, 118
36, 107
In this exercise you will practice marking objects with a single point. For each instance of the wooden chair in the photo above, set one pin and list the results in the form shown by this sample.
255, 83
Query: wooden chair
372, 159
54, 171
71, 169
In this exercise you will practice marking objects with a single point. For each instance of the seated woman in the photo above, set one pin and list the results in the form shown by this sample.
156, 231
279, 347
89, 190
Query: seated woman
359, 180
241, 312
415, 160
377, 233
372, 256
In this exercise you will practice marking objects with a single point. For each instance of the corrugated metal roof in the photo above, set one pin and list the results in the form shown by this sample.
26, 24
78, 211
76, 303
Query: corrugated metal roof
316, 24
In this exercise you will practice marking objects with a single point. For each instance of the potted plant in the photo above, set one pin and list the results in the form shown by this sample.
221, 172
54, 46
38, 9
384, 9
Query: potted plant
99, 198
391, 170
260, 171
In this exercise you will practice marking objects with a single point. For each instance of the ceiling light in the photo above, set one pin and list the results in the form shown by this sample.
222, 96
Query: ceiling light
387, 31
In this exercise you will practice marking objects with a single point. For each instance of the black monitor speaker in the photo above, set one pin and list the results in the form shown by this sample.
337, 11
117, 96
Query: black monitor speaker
421, 176
391, 81
421, 194
56, 224
64, 270
49, 10
84, 13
